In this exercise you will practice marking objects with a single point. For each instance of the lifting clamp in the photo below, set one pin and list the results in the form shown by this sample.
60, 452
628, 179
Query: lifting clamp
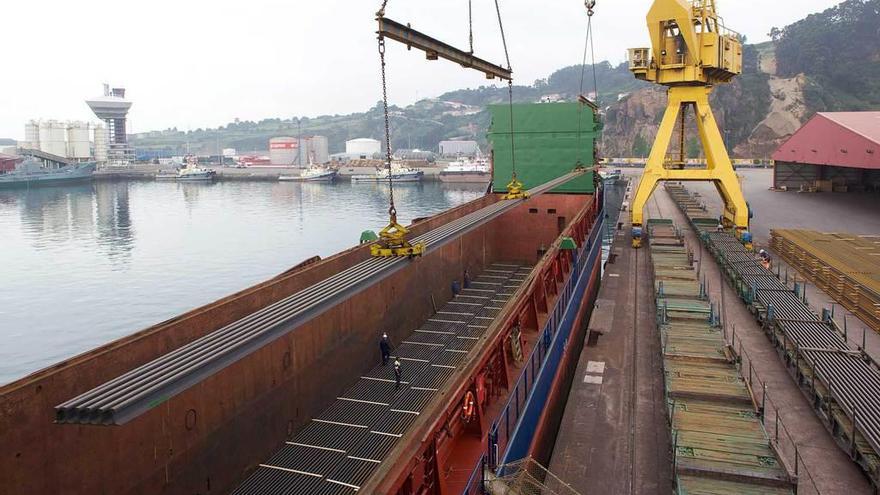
515, 189
392, 240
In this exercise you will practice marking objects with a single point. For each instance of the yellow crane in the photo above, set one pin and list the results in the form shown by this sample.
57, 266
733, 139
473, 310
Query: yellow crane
691, 52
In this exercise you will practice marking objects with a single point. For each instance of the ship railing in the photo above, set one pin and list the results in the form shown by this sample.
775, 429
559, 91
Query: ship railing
503, 428
476, 483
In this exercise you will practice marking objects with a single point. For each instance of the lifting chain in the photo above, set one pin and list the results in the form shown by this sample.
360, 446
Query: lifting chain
515, 187
392, 211
588, 45
471, 25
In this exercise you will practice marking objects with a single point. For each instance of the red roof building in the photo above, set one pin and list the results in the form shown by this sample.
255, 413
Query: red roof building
835, 150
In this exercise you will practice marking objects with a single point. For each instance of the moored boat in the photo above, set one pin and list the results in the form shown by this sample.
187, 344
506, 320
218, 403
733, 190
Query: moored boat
463, 170
314, 173
397, 174
31, 173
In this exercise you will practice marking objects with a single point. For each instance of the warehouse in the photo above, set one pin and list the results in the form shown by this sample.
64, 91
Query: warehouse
834, 151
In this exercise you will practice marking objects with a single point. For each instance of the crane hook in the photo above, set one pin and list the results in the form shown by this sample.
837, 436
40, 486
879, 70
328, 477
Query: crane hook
590, 5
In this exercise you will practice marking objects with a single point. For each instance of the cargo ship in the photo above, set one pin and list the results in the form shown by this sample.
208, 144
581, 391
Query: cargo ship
279, 388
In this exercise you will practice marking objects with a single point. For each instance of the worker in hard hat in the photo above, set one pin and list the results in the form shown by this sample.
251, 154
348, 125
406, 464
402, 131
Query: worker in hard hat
765, 259
385, 347
397, 374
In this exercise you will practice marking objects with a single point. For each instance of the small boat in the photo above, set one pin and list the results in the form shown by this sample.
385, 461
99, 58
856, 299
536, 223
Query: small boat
398, 174
192, 172
314, 173
467, 170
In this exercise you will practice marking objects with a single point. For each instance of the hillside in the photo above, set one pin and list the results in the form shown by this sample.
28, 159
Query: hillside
829, 61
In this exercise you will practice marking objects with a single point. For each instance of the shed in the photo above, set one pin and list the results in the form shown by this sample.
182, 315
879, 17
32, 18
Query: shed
837, 151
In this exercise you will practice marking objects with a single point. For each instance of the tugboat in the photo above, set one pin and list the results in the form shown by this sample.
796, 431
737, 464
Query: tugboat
193, 173
314, 173
398, 174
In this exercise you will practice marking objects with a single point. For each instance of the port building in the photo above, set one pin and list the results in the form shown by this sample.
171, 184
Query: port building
833, 151
112, 108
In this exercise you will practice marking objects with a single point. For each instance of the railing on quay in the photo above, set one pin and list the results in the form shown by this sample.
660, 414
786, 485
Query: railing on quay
783, 442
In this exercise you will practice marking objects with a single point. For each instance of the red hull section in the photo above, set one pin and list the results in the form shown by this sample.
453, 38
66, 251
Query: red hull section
205, 439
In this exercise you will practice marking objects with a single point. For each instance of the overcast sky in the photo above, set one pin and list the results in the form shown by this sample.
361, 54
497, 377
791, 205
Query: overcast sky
203, 63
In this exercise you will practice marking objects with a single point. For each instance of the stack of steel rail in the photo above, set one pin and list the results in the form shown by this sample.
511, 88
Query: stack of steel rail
719, 441
130, 395
842, 382
338, 451
846, 267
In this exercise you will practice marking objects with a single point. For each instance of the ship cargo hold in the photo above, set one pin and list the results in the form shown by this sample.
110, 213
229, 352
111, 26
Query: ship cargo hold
278, 388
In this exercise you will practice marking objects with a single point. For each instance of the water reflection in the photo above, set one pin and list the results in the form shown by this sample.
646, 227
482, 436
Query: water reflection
115, 232
86, 264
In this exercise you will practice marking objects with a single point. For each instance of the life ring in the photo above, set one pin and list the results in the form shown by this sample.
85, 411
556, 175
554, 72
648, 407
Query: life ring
468, 407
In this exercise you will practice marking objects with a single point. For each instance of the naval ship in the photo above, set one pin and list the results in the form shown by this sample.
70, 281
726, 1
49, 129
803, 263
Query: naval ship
31, 173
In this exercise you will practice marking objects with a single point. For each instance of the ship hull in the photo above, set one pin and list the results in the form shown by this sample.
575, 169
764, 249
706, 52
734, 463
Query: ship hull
207, 438
465, 177
79, 173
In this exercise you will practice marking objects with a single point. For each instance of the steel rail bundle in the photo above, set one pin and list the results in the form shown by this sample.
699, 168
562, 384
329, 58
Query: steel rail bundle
843, 383
339, 450
141, 389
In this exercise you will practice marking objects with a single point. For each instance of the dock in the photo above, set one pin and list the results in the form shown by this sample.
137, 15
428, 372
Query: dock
753, 401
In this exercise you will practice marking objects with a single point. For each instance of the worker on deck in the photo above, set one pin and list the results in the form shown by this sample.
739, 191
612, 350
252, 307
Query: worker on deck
765, 259
467, 280
397, 374
385, 347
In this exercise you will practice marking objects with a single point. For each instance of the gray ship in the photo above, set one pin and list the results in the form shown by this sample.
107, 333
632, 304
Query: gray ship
31, 173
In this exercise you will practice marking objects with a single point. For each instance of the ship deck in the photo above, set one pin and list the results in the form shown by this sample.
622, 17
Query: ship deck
336, 452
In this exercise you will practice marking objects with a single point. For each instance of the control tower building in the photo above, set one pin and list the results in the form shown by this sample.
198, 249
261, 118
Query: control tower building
113, 108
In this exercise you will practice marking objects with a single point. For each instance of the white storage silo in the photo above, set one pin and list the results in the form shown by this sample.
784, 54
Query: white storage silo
283, 150
52, 137
100, 144
31, 135
319, 149
78, 140
363, 147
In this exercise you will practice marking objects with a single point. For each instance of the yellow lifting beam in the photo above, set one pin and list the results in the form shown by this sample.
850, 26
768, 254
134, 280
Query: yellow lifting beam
691, 52
392, 240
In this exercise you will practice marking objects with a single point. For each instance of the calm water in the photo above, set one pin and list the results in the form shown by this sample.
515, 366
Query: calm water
83, 265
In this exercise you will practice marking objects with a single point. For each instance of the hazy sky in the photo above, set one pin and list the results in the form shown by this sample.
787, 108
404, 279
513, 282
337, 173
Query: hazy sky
201, 63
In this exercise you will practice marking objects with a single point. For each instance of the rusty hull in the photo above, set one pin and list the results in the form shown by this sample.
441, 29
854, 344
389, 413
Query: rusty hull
204, 439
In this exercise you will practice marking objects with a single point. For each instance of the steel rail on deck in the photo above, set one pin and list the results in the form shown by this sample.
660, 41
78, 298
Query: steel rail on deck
128, 396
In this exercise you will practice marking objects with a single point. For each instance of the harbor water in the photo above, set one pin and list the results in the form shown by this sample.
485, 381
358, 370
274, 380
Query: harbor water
86, 264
